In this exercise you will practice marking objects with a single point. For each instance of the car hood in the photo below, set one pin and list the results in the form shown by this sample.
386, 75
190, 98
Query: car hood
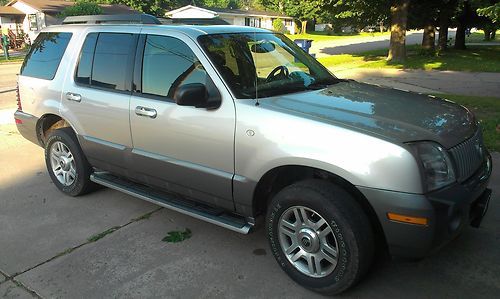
389, 113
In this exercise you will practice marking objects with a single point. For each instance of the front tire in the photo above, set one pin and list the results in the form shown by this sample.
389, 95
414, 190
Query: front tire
67, 166
320, 236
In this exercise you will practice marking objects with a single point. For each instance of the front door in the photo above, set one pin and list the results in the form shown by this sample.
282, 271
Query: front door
183, 149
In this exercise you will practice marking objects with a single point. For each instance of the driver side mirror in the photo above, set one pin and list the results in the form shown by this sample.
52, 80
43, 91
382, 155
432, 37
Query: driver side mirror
196, 95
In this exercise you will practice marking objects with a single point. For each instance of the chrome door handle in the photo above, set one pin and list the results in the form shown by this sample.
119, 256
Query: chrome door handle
143, 111
73, 97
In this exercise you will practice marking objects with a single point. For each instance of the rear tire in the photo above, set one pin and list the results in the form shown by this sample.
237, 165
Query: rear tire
67, 165
320, 236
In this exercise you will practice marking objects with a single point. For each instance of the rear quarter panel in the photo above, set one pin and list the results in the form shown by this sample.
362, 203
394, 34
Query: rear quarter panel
39, 96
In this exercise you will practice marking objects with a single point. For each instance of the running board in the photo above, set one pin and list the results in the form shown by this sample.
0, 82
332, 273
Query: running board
170, 201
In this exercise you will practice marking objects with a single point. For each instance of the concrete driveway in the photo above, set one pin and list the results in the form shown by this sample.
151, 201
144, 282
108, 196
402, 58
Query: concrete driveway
45, 249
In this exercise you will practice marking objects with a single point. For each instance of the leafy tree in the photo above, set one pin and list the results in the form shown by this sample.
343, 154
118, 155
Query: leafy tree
423, 14
356, 13
446, 11
468, 17
492, 12
304, 10
81, 8
153, 7
217, 3
301, 10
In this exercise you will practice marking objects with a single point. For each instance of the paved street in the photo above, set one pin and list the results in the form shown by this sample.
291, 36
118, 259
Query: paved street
8, 73
362, 44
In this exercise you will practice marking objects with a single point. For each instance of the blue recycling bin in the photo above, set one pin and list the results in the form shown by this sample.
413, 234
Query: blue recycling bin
305, 44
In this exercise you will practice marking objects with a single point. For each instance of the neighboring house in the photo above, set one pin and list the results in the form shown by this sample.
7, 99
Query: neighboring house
242, 17
31, 16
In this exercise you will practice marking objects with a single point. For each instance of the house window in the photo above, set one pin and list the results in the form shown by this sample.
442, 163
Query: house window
33, 22
247, 21
288, 22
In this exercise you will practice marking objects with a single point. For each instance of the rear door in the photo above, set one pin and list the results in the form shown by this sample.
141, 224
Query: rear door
184, 149
96, 97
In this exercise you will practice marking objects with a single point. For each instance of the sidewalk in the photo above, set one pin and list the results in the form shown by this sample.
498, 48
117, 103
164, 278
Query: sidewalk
14, 53
451, 82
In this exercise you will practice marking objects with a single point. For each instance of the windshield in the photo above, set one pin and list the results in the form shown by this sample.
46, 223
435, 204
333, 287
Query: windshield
257, 65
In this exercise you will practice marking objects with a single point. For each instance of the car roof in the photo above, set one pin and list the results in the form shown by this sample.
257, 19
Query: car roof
190, 30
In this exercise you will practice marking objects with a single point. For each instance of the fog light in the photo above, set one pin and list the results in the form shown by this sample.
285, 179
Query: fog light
407, 219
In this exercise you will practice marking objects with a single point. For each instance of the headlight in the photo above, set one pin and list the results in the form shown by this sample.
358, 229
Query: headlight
436, 164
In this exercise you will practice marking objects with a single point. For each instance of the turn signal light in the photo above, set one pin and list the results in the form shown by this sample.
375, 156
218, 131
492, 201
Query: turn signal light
407, 219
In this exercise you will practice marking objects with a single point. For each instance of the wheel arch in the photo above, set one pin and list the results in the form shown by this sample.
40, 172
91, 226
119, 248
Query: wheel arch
49, 122
280, 177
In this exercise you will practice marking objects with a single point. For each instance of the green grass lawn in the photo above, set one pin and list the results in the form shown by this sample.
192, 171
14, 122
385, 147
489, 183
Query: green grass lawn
478, 37
11, 59
474, 59
322, 36
487, 110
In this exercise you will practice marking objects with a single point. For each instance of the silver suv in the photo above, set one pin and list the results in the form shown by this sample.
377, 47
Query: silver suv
233, 124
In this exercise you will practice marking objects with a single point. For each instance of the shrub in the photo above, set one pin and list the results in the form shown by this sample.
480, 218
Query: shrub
81, 8
278, 25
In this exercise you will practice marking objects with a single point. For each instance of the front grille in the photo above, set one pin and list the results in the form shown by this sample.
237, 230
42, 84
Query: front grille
468, 156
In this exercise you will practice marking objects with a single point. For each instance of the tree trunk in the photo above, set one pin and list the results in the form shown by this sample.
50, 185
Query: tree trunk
445, 14
399, 19
443, 36
429, 38
487, 34
460, 37
493, 34
304, 26
462, 27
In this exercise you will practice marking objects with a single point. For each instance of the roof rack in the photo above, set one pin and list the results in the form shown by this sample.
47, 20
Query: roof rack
113, 19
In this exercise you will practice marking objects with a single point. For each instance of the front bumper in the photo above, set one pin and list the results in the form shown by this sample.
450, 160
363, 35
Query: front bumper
448, 211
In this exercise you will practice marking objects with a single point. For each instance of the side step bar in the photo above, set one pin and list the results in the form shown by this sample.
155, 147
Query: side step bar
170, 201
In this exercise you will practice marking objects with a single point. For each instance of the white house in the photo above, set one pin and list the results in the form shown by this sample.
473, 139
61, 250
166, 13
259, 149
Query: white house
31, 16
242, 17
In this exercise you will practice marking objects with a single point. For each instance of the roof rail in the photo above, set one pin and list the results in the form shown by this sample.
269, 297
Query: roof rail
114, 19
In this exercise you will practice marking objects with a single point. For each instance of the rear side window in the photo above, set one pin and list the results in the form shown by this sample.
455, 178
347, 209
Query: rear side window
106, 61
45, 55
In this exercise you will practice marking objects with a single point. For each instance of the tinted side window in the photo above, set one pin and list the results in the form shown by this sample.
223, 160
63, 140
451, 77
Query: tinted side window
45, 55
113, 57
86, 59
167, 64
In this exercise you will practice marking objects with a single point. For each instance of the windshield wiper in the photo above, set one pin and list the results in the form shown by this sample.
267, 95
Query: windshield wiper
320, 84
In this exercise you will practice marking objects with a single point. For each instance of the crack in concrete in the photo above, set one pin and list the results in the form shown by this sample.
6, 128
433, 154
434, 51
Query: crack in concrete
5, 275
18, 284
24, 287
71, 249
